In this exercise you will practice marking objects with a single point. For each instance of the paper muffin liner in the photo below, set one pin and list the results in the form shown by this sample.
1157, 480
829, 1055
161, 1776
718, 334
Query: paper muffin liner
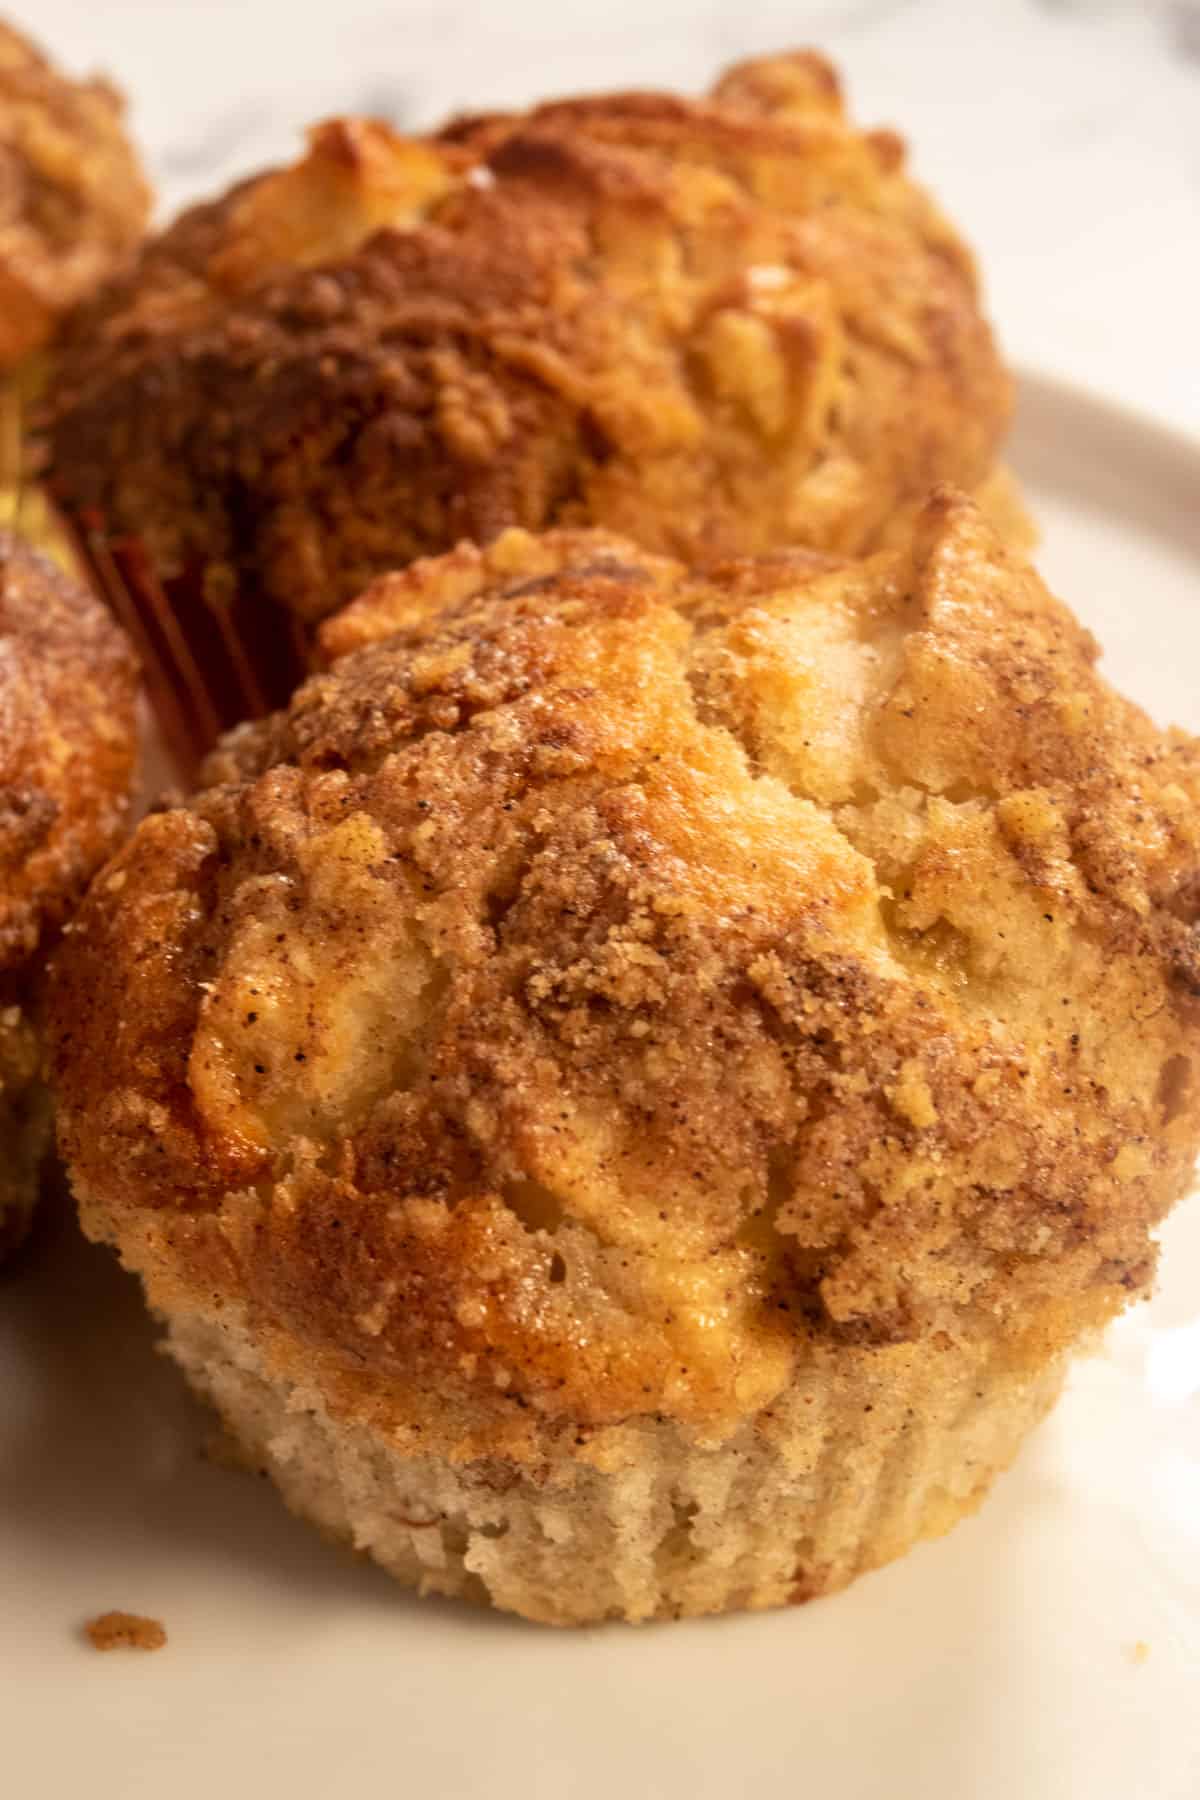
214, 654
869, 1452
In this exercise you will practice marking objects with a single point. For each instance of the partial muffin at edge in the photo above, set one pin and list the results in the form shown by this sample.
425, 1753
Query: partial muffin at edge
627, 1093
68, 751
718, 326
73, 199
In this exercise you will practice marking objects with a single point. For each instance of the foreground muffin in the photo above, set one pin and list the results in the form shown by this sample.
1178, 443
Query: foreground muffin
67, 756
627, 1092
719, 326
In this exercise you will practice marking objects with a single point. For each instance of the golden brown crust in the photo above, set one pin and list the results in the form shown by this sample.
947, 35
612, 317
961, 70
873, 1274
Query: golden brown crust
73, 201
608, 987
717, 326
68, 747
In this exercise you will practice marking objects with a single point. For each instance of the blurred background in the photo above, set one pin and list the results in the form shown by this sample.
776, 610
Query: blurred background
1062, 135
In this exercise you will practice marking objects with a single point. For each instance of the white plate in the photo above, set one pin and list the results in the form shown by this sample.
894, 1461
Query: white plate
1048, 1648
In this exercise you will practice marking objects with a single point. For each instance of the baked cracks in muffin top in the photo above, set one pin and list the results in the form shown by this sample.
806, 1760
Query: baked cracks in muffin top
716, 325
608, 986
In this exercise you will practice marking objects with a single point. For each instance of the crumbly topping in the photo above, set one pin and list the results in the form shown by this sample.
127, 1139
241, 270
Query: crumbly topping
607, 987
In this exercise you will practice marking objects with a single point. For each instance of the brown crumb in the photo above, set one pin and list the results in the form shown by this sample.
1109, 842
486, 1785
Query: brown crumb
1139, 1653
125, 1631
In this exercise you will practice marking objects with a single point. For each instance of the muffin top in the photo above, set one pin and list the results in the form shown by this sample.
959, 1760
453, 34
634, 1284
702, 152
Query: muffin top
607, 987
718, 326
68, 748
73, 202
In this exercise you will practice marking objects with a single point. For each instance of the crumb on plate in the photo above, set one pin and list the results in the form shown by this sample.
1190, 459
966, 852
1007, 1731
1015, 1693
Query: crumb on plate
125, 1631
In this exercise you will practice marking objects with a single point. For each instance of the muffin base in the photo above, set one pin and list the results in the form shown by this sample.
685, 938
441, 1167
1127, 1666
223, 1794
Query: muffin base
877, 1450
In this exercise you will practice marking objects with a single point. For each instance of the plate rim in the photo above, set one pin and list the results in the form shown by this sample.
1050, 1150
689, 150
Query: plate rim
1062, 390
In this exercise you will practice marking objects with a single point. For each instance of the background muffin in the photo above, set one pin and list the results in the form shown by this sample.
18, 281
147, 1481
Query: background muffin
67, 758
73, 204
719, 326
73, 201
626, 1093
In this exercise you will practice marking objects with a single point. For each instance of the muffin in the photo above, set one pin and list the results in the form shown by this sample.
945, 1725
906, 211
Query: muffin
73, 201
67, 755
73, 205
719, 327
627, 1093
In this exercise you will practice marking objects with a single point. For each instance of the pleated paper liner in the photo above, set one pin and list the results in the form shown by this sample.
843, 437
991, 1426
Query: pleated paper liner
214, 653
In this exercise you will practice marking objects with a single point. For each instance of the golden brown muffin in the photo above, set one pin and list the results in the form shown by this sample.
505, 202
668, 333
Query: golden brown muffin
73, 201
627, 1092
718, 326
67, 756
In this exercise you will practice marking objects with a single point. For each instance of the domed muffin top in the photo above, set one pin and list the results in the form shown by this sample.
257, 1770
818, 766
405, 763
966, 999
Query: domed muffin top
607, 986
73, 202
718, 326
68, 746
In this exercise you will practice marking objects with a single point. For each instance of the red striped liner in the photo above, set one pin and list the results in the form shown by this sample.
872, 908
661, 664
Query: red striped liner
212, 658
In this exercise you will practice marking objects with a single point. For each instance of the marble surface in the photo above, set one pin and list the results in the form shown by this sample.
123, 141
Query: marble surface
1063, 135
